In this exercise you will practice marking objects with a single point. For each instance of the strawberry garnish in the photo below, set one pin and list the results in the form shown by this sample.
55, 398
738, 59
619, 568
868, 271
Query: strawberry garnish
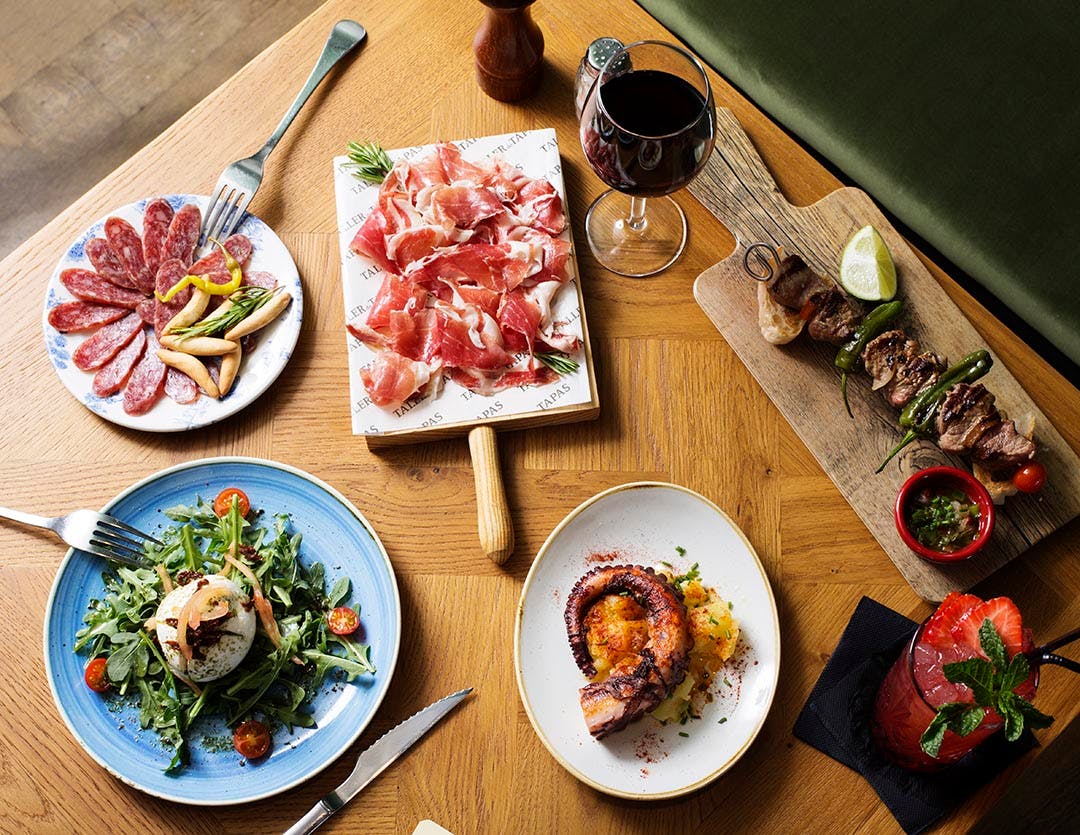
938, 630
1005, 617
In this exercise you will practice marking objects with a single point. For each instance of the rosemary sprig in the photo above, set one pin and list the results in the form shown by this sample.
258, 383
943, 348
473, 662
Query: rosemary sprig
244, 303
369, 161
559, 363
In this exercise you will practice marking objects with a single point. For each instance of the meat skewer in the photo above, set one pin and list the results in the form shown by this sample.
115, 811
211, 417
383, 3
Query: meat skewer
950, 406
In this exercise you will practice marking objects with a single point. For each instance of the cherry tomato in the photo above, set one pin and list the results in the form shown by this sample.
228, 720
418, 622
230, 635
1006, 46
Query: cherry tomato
95, 676
251, 739
343, 621
1030, 478
223, 502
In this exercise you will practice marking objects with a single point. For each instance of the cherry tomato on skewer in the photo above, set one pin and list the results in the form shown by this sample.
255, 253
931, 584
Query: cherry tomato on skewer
251, 739
1030, 478
343, 620
223, 502
96, 678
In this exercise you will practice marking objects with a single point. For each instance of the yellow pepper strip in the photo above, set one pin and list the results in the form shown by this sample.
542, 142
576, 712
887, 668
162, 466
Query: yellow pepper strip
204, 283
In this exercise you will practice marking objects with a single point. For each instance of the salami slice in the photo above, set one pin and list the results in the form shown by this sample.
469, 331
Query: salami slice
102, 346
107, 264
183, 234
168, 274
147, 381
112, 376
268, 281
147, 308
238, 246
180, 387
67, 317
91, 287
155, 227
127, 245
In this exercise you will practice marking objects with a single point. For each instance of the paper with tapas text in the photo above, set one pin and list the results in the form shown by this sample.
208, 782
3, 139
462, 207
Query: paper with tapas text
536, 153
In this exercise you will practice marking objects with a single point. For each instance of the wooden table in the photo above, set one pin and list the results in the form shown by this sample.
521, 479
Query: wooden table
676, 405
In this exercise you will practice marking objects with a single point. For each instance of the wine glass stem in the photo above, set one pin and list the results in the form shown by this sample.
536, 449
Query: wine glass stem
636, 220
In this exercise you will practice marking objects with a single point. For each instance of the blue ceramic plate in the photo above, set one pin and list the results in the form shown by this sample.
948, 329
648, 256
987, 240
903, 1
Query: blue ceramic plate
336, 534
273, 344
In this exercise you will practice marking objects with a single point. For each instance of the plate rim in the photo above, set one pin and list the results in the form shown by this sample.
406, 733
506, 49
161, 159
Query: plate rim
129, 421
573, 514
380, 696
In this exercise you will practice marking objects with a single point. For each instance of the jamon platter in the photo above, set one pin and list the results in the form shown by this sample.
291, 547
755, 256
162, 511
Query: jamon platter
446, 408
800, 379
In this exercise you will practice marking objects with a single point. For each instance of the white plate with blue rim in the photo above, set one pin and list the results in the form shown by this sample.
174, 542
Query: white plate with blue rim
336, 534
258, 370
652, 524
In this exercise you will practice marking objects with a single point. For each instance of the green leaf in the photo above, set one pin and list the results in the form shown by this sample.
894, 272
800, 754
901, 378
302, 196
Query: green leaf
992, 644
1032, 715
1014, 719
339, 592
558, 362
1015, 674
369, 161
976, 673
968, 721
934, 735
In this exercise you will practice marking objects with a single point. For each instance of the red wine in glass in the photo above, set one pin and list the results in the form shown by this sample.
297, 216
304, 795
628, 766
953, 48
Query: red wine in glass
647, 129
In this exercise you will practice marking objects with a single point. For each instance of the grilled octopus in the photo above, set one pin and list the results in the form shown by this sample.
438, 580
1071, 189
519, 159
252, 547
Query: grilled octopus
630, 693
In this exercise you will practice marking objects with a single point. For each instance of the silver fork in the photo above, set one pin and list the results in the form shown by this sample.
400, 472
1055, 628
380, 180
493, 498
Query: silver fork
239, 181
93, 532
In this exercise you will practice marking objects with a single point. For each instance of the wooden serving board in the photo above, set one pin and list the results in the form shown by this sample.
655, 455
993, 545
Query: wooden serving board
801, 380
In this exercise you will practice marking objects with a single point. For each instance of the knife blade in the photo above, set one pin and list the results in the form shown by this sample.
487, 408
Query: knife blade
376, 758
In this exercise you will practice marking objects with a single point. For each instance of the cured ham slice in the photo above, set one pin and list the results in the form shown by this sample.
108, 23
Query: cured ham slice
91, 287
260, 278
183, 234
180, 387
114, 374
106, 343
107, 264
464, 206
128, 246
168, 274
156, 219
147, 309
395, 293
68, 317
147, 381
391, 378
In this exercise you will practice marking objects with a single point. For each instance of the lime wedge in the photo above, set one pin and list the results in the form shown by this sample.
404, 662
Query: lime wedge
867, 270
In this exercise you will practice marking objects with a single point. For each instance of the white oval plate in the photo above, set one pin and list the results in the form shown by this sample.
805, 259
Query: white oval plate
645, 523
258, 370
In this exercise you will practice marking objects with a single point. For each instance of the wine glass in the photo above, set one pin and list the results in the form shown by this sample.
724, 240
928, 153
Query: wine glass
647, 128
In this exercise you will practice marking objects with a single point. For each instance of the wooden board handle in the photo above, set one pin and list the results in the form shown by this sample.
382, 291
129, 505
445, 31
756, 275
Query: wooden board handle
492, 513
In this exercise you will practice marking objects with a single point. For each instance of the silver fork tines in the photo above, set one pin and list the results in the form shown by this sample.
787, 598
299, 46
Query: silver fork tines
95, 533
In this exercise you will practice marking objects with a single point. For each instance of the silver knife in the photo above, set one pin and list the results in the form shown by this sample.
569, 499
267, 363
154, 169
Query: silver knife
374, 760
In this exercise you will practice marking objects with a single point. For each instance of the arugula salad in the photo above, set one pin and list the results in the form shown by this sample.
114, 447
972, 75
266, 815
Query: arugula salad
228, 621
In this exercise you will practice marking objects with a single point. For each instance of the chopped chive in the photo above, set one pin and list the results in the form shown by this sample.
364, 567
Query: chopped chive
684, 733
722, 720
680, 550
728, 683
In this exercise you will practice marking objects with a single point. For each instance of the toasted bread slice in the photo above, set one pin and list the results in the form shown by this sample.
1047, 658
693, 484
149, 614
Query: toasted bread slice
778, 324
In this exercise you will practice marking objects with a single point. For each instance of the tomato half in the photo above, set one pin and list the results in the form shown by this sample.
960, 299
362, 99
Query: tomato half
95, 676
343, 620
223, 502
1030, 478
251, 739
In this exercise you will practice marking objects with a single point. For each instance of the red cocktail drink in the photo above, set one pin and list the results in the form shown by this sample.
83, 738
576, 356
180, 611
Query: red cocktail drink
916, 685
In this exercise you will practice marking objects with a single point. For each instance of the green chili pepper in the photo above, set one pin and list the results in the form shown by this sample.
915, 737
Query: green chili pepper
918, 416
871, 326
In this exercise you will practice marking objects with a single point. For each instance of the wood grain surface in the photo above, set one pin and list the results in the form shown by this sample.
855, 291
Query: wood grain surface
800, 379
678, 405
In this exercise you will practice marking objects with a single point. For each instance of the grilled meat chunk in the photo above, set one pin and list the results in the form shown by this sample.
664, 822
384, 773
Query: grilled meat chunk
795, 283
885, 352
911, 377
835, 317
966, 413
1002, 449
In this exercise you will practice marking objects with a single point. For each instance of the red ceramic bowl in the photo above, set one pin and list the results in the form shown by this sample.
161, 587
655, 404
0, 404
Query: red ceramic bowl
945, 478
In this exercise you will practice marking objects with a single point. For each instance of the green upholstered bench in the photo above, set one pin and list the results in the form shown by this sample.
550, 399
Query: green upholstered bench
960, 118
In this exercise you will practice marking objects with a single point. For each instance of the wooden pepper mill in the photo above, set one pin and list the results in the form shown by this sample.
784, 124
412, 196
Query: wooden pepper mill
509, 50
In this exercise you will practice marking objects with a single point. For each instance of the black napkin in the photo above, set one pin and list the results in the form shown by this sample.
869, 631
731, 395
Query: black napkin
836, 720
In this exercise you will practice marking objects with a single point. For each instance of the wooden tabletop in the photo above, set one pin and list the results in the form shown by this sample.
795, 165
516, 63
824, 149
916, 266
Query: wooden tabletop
676, 405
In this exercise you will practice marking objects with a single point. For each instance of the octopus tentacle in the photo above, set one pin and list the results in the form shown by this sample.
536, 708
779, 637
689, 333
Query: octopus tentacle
613, 704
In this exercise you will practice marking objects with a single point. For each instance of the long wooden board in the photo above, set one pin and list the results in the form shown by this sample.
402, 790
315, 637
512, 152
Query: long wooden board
800, 379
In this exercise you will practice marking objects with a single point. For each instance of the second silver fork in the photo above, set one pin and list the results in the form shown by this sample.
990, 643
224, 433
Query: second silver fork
240, 180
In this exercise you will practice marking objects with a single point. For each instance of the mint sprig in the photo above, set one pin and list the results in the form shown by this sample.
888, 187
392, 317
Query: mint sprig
991, 681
